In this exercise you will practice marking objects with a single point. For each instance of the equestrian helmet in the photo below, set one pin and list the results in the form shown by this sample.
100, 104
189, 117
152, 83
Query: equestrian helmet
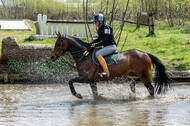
99, 17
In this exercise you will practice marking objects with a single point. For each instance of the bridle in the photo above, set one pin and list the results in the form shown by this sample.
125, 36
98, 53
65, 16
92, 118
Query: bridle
85, 53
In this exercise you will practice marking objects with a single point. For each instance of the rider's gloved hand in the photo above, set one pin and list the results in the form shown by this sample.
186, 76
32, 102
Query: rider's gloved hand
91, 43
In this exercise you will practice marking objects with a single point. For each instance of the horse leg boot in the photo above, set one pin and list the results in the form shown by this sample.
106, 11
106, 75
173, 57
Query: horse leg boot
102, 62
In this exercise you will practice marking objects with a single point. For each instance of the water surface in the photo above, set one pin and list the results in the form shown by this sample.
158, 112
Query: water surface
53, 105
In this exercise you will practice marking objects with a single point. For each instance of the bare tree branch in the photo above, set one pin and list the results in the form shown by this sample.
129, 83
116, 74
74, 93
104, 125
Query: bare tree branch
122, 23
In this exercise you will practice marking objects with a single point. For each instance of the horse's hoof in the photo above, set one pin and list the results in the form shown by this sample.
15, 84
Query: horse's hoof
133, 89
99, 97
151, 97
79, 96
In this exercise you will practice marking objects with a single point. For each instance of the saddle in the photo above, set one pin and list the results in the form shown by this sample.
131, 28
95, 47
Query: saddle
110, 59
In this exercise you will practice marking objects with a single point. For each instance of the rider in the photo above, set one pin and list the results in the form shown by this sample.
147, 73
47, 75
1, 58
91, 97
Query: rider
105, 39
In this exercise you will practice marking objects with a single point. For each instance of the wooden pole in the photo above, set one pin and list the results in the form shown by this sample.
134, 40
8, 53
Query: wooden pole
85, 20
107, 9
124, 42
151, 23
112, 13
138, 20
122, 23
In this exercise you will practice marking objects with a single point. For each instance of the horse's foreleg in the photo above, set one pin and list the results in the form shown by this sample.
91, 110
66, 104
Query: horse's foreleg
94, 90
73, 91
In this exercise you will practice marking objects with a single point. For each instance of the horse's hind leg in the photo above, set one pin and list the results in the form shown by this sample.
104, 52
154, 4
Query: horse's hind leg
149, 86
132, 85
146, 81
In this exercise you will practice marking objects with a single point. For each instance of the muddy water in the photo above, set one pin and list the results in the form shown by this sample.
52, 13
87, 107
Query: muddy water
53, 105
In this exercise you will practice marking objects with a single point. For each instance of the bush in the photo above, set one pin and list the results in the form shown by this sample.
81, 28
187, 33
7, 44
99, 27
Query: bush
15, 65
46, 68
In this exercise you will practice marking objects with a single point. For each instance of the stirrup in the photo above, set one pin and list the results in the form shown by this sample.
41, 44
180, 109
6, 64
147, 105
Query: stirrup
105, 74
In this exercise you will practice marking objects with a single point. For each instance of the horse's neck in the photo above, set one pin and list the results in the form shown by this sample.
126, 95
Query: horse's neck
77, 52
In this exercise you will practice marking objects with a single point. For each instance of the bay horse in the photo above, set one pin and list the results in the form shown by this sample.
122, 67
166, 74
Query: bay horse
130, 62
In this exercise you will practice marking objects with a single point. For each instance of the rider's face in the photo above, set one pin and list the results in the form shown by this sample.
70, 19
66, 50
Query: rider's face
96, 23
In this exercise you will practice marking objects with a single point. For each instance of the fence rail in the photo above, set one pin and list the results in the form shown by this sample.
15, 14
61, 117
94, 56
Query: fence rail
74, 28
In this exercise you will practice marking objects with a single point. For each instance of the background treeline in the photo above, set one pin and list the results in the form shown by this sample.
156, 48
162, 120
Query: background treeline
75, 9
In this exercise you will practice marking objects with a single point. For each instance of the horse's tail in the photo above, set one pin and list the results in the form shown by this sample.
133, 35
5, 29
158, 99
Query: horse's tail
162, 82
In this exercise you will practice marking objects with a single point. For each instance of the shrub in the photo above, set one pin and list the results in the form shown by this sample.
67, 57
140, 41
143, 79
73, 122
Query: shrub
46, 68
15, 65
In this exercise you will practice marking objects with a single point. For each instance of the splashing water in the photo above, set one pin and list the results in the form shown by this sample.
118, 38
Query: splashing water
53, 104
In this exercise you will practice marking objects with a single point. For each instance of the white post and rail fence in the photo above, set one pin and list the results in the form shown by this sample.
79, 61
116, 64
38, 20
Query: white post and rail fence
46, 26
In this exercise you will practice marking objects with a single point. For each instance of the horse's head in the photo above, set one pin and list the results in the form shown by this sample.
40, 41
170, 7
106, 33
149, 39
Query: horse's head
61, 46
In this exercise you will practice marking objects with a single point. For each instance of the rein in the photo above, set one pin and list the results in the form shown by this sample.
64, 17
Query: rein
85, 53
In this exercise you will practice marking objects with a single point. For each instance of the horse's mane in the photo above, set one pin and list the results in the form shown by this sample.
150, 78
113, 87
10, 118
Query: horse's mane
78, 41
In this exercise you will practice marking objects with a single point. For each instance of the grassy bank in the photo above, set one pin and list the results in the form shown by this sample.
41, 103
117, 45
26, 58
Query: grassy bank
170, 44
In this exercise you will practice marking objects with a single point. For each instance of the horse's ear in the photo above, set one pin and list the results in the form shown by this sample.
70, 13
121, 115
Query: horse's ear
64, 36
58, 34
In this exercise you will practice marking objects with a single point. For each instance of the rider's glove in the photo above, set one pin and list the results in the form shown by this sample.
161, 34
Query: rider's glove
91, 43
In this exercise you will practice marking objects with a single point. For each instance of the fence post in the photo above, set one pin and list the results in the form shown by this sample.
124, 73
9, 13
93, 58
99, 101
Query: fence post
37, 28
122, 19
75, 27
65, 29
49, 29
138, 20
44, 25
60, 28
151, 23
40, 23
54, 28
80, 30
70, 29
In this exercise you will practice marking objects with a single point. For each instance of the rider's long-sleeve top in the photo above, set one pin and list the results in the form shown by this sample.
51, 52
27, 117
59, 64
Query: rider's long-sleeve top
105, 36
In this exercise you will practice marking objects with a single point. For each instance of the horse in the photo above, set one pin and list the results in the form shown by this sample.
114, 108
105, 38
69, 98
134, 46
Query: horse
131, 62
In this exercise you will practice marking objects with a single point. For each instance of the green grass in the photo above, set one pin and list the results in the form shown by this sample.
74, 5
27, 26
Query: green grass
28, 41
170, 44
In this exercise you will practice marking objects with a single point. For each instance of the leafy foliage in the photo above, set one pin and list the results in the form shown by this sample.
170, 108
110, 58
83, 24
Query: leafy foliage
47, 68
15, 65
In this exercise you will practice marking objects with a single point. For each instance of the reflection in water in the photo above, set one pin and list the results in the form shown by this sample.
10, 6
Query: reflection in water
53, 104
